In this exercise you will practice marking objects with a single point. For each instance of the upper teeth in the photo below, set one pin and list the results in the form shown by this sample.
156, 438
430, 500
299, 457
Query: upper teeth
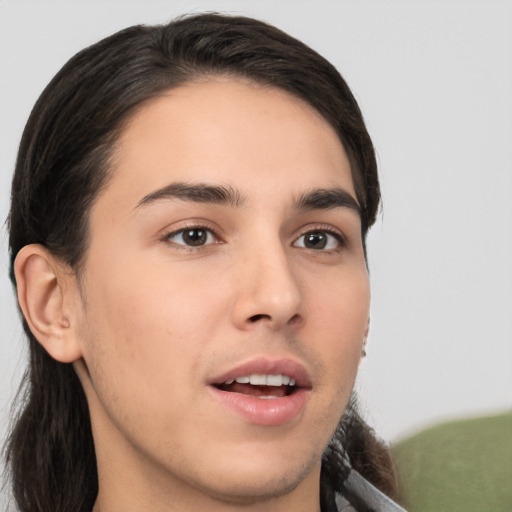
257, 379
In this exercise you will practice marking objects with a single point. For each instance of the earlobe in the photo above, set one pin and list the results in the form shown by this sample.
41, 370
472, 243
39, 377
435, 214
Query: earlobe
42, 298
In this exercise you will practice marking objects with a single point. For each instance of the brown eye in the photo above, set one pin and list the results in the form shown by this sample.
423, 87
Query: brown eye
319, 240
192, 237
315, 240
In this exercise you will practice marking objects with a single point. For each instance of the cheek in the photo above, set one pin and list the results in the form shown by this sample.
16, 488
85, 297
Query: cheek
155, 321
340, 307
338, 317
142, 346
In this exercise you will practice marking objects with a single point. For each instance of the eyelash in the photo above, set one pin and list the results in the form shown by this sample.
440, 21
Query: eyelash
209, 233
340, 239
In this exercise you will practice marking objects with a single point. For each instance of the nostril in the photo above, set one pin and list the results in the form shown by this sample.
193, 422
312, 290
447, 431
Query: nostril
257, 318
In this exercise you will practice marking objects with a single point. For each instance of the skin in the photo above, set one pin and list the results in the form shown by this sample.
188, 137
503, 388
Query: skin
153, 320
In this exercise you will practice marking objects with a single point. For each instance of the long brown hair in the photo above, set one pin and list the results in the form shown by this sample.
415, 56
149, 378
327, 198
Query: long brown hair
63, 162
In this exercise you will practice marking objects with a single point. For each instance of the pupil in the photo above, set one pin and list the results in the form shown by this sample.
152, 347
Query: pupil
194, 236
315, 240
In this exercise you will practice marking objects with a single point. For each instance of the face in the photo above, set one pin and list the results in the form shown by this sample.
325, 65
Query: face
225, 248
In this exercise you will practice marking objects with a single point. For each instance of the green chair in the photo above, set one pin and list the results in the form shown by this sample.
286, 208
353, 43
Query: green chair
461, 466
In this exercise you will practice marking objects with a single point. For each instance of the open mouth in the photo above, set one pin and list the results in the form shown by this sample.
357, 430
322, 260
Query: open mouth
265, 386
263, 391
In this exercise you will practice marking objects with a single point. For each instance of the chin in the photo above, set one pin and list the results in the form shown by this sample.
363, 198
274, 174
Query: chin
249, 483
244, 492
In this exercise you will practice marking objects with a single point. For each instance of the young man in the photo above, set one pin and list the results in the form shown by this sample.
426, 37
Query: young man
188, 224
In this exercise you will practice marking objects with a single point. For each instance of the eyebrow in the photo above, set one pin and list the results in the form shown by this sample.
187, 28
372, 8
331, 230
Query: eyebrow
327, 198
316, 199
198, 193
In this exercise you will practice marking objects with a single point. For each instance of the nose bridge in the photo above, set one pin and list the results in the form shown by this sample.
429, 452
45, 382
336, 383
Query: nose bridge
269, 290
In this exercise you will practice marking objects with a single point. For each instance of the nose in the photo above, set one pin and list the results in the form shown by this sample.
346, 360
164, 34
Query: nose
267, 290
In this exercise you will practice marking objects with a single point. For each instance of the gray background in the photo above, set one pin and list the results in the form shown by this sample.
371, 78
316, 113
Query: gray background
434, 81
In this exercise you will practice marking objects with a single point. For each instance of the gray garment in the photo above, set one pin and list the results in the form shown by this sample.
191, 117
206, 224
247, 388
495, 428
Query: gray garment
367, 496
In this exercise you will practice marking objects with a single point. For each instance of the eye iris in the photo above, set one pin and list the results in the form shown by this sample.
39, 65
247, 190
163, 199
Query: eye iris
315, 240
194, 236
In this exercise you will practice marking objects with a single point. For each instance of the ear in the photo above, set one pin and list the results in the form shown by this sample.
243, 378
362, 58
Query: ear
45, 289
365, 339
367, 330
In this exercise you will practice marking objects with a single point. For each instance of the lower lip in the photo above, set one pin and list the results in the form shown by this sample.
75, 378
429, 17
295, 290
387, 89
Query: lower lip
271, 411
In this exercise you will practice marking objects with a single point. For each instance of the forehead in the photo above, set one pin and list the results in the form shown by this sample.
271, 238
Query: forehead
229, 132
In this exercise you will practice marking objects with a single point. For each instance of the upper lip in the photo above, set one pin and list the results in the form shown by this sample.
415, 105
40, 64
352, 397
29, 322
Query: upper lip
266, 366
